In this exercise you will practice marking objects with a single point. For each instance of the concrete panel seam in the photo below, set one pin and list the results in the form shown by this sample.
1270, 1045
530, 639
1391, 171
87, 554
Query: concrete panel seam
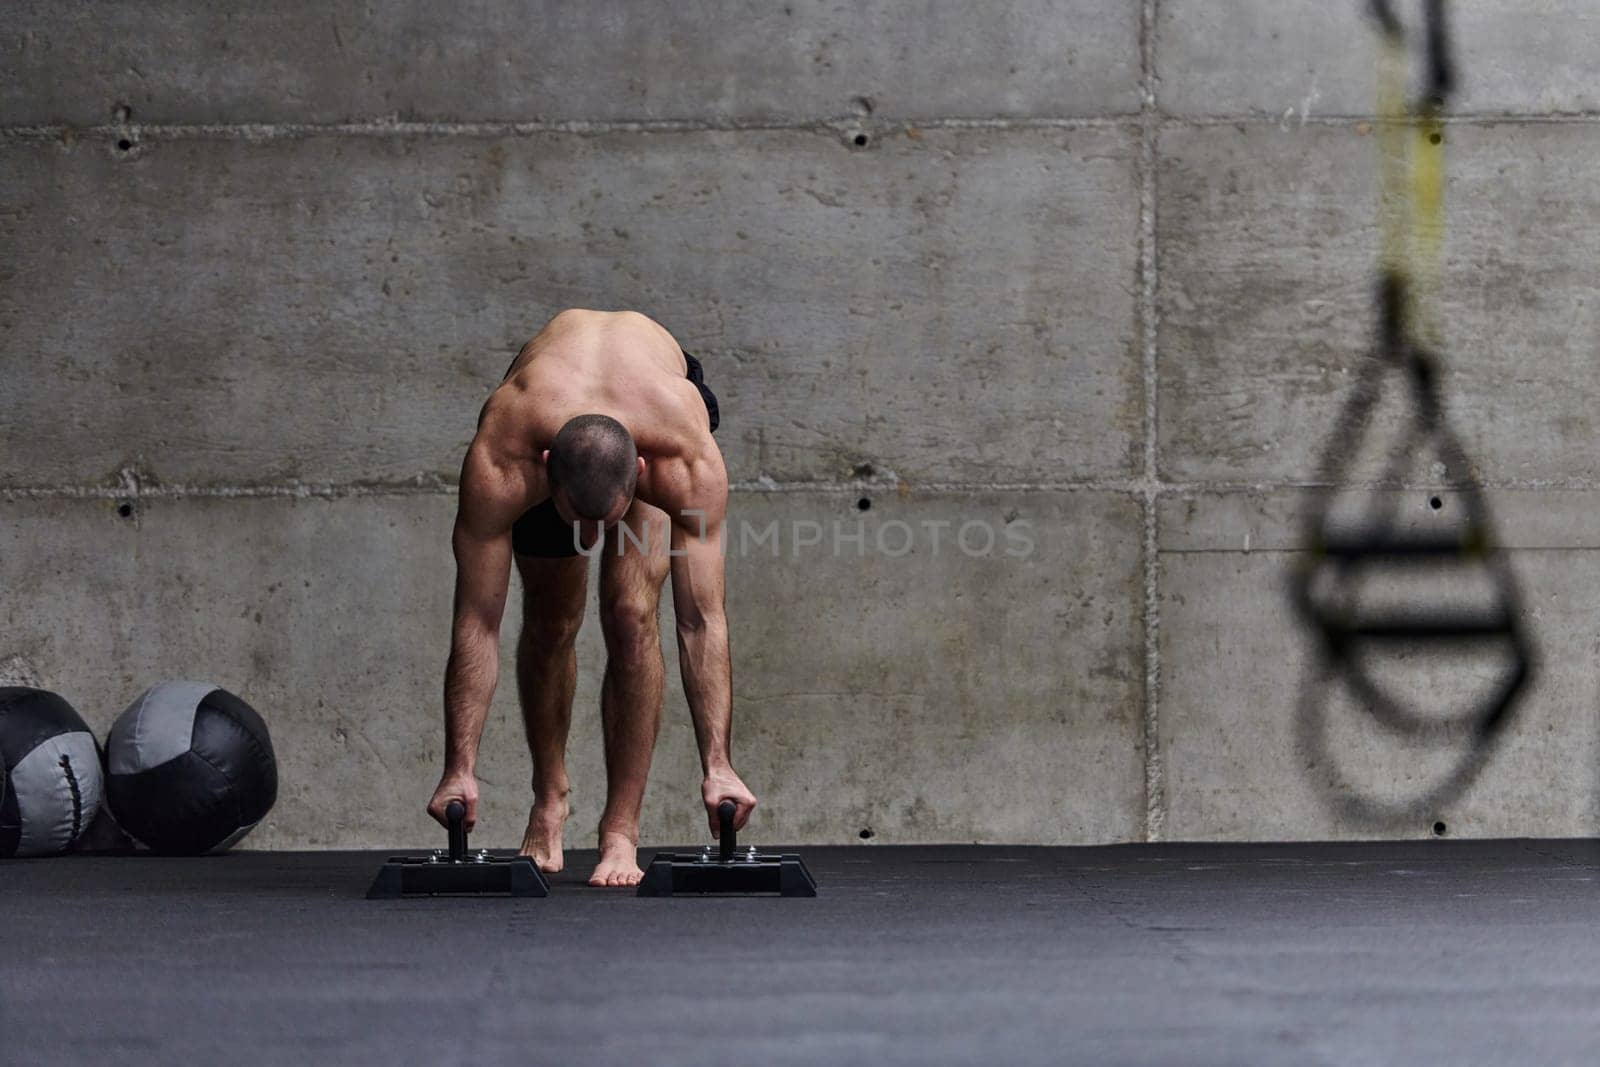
268, 131
1520, 549
1150, 485
1253, 119
339, 492
1141, 487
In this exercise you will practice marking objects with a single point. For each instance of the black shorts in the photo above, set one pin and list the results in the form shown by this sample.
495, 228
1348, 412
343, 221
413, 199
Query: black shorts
540, 531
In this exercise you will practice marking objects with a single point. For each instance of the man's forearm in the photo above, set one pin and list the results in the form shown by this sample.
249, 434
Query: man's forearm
708, 685
469, 683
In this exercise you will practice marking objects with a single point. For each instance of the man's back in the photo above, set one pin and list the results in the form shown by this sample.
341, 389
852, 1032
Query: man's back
617, 363
620, 364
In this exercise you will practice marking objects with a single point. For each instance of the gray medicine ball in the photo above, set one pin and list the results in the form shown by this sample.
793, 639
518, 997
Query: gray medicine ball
50, 778
189, 769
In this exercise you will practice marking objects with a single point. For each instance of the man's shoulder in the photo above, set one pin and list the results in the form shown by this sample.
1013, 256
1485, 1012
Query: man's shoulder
688, 486
495, 487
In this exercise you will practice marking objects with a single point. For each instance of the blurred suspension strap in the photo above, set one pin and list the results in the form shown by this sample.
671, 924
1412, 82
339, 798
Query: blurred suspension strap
1411, 142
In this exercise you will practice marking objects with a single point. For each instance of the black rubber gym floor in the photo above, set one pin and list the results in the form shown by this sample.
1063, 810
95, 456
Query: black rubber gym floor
1436, 951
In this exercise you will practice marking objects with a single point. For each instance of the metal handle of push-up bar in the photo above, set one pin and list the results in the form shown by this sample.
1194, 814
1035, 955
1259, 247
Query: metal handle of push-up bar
725, 833
455, 817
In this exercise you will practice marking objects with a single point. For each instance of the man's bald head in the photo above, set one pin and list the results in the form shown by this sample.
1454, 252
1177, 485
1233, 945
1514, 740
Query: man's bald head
593, 461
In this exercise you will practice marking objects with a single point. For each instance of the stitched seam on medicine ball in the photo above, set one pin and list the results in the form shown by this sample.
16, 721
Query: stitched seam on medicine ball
226, 777
233, 799
77, 795
138, 719
258, 744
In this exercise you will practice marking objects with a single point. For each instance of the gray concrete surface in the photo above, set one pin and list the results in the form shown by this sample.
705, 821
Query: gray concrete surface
896, 306
1461, 952
1266, 238
1104, 267
1236, 766
1305, 60
734, 60
894, 715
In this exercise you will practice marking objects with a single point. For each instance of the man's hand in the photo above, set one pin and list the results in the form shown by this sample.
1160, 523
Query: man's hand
722, 785
456, 786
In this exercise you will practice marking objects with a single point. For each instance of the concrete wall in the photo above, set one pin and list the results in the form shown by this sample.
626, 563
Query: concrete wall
1094, 270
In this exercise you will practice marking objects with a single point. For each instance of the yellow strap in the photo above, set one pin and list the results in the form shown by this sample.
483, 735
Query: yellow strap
1427, 194
1411, 204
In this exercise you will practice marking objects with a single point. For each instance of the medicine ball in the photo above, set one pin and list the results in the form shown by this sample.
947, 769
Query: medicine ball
50, 778
189, 769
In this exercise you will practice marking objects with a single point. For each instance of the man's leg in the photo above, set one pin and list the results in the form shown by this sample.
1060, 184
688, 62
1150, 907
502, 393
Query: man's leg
553, 593
630, 700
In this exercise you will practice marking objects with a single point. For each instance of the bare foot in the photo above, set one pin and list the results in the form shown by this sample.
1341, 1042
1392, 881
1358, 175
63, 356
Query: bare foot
542, 840
619, 861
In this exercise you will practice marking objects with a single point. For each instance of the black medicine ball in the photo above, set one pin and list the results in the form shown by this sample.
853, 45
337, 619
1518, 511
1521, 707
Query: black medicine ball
50, 779
189, 768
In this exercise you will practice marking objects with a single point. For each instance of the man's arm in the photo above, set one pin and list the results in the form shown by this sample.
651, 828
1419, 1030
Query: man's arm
482, 545
697, 596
